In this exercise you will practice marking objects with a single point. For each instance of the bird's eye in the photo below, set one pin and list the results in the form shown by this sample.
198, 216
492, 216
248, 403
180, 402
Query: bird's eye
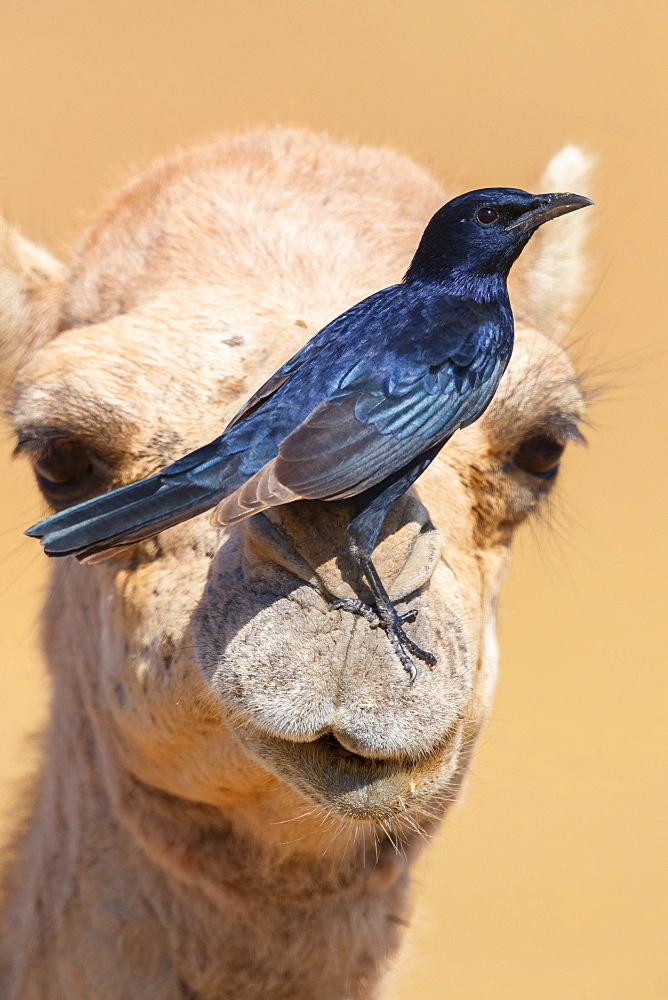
486, 216
67, 472
539, 456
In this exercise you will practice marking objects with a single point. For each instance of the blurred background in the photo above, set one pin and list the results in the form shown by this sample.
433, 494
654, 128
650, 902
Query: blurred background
549, 879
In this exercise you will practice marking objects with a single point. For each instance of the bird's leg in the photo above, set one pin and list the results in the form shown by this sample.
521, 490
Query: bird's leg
363, 532
385, 615
392, 621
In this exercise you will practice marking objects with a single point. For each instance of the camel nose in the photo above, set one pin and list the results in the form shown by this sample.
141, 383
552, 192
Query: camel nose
273, 651
377, 718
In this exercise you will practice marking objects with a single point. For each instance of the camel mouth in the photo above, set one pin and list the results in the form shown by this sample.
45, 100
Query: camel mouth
360, 787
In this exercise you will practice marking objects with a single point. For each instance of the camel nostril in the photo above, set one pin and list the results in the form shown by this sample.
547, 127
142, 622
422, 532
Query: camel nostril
302, 538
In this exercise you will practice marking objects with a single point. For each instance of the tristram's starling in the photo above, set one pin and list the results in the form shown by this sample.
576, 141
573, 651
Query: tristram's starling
360, 411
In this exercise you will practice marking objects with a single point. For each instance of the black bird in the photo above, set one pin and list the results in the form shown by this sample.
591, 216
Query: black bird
360, 411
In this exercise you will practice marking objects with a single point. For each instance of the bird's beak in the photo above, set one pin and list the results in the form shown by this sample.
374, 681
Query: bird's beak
550, 206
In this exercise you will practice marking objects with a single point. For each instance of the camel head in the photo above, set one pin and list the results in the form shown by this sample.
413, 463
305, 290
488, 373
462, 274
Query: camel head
210, 661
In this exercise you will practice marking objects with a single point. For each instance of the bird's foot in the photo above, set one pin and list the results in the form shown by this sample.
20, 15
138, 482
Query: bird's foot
356, 608
389, 619
366, 611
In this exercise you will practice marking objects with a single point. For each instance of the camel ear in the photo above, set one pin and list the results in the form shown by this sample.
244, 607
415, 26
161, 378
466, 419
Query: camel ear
550, 284
29, 282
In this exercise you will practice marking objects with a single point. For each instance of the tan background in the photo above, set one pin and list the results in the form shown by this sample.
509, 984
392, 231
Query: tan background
550, 880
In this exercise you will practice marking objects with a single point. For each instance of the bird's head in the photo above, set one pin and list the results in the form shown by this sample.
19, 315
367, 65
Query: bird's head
480, 234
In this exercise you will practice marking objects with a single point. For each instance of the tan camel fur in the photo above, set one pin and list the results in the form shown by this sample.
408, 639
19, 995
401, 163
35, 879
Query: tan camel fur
235, 779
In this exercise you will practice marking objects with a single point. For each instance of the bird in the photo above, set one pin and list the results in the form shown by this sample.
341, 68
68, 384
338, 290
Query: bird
359, 412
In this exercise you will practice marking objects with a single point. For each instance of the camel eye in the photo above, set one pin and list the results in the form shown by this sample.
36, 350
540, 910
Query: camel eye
539, 456
487, 216
67, 471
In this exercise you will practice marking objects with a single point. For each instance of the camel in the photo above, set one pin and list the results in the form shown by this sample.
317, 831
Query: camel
235, 779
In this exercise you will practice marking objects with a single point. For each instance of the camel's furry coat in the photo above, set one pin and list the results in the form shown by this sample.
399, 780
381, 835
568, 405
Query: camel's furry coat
229, 766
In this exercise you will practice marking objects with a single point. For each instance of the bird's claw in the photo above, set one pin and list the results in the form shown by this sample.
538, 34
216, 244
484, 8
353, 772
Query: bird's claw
422, 654
408, 616
356, 608
392, 622
367, 612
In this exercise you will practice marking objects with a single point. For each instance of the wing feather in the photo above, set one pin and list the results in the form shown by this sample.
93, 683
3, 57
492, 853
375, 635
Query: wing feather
378, 413
271, 386
262, 490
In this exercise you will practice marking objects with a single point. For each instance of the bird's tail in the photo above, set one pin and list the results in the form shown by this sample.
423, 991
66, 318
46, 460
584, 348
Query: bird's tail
102, 526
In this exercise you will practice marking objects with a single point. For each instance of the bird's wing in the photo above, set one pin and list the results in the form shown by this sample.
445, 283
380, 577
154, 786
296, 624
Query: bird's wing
271, 386
356, 438
372, 424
